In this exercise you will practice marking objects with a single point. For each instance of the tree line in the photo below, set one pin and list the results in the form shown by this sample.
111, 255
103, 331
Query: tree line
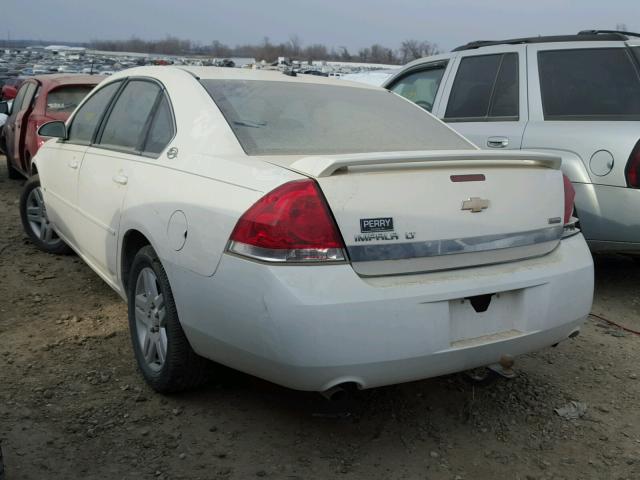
269, 51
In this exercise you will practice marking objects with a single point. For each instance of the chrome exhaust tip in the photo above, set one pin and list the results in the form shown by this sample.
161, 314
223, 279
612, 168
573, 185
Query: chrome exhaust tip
335, 394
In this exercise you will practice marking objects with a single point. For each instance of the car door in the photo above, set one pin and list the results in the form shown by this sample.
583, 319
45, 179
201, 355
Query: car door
105, 172
59, 173
485, 96
421, 84
22, 121
13, 125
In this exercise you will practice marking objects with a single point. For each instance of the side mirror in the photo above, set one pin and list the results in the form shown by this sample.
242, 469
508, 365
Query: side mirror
4, 108
56, 129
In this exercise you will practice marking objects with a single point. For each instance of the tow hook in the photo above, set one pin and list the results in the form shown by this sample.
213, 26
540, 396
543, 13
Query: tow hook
504, 367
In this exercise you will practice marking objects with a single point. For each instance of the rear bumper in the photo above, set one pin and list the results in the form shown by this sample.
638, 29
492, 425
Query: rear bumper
311, 328
609, 216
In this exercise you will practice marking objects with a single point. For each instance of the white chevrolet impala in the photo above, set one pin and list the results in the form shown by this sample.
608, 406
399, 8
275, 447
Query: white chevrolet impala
307, 231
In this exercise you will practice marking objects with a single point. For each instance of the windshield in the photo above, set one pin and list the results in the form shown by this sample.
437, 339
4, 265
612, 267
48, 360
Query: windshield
66, 99
288, 118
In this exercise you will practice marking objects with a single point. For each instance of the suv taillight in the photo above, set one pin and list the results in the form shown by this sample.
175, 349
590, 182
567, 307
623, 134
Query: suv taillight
632, 171
289, 224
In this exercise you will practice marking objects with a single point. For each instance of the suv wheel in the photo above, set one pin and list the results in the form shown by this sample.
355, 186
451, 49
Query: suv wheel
35, 220
162, 351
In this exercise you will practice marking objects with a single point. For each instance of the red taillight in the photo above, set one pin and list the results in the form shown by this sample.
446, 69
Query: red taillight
569, 198
289, 224
632, 171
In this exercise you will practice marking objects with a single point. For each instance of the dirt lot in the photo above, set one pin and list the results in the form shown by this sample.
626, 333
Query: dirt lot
73, 406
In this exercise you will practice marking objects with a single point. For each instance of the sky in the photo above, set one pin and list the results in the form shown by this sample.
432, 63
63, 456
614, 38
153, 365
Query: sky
351, 23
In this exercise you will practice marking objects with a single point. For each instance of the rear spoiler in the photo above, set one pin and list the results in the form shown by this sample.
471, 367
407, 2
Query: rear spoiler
327, 166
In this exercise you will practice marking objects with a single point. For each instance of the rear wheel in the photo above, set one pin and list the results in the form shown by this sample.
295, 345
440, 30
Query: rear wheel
35, 221
162, 351
12, 172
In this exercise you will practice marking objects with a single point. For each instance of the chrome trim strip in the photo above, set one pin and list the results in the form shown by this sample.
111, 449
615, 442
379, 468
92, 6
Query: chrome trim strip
434, 248
270, 255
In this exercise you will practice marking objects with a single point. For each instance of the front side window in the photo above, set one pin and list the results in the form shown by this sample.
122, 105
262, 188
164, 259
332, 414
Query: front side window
24, 97
161, 131
486, 87
420, 87
126, 124
66, 99
17, 102
296, 118
86, 119
589, 84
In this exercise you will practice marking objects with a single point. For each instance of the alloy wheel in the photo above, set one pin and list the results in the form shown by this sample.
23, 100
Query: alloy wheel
150, 315
38, 219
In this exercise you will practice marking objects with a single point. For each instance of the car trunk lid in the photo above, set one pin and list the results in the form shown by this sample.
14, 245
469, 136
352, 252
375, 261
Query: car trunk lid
411, 212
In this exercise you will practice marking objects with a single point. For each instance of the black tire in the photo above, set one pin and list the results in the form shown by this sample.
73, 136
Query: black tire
12, 172
54, 244
182, 369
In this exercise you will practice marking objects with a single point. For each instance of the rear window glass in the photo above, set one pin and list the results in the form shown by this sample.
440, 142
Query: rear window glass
589, 84
66, 99
289, 118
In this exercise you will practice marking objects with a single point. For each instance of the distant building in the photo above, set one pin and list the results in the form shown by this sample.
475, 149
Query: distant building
65, 50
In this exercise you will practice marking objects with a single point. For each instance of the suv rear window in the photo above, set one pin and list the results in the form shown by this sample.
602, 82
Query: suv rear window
291, 118
589, 84
66, 99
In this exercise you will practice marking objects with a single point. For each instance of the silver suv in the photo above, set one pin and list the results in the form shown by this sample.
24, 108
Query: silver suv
577, 96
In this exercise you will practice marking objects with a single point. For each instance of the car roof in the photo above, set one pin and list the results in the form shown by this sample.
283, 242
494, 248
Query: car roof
226, 73
582, 36
56, 80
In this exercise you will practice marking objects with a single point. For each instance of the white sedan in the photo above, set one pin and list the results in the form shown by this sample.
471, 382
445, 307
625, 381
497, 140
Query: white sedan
307, 231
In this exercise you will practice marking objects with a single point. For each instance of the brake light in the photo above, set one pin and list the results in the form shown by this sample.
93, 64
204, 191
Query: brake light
289, 224
569, 198
632, 171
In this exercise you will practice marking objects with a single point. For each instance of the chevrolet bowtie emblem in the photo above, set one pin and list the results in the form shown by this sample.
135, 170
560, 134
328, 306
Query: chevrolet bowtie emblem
475, 204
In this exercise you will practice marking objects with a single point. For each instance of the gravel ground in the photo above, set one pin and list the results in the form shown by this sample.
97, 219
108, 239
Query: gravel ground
73, 406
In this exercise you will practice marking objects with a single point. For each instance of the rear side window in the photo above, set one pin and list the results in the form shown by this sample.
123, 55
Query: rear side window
420, 87
161, 131
589, 84
66, 99
486, 87
86, 119
126, 124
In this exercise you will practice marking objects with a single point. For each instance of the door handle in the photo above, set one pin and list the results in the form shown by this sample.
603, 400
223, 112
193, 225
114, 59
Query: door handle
73, 164
497, 142
121, 179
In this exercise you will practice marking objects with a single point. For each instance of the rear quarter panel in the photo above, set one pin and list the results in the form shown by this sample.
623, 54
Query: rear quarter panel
211, 181
210, 204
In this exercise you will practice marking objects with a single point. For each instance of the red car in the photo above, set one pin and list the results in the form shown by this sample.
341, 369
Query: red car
40, 99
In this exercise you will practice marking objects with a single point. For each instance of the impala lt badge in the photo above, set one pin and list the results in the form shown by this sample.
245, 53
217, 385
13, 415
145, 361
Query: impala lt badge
475, 204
